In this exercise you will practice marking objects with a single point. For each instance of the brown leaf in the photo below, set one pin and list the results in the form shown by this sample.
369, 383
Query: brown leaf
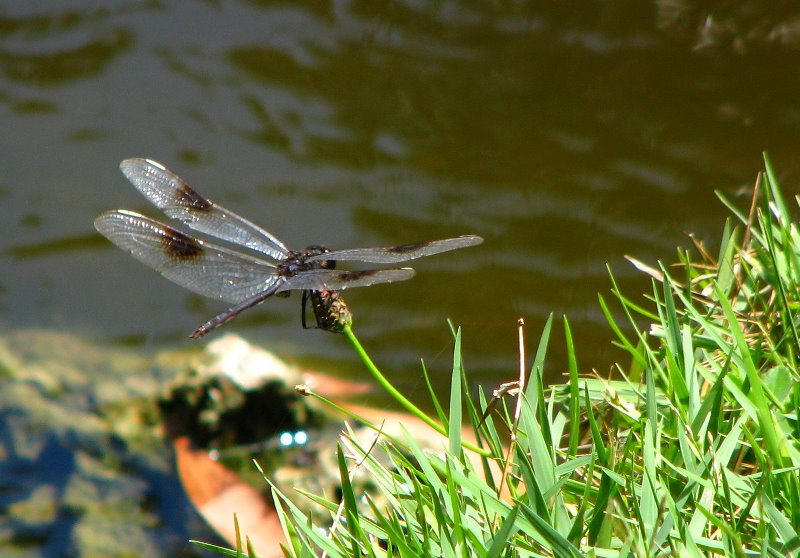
217, 494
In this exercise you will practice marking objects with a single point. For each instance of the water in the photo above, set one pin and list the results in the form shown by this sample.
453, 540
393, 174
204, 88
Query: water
566, 140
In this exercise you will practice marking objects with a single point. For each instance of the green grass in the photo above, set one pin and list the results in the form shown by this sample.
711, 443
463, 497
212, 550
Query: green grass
692, 450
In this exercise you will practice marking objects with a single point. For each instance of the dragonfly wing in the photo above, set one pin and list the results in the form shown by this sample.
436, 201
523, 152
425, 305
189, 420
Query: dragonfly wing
201, 267
397, 254
338, 280
179, 201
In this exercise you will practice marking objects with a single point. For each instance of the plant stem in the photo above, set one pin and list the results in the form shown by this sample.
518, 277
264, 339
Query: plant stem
399, 397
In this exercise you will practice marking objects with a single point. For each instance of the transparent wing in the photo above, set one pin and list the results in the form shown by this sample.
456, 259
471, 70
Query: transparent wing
179, 201
396, 254
203, 268
338, 280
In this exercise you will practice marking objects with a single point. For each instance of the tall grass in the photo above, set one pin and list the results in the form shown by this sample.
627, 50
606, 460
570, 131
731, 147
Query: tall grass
692, 450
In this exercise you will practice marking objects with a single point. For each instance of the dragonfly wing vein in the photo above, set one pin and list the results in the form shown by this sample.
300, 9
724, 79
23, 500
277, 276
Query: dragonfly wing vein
204, 268
339, 280
397, 254
181, 202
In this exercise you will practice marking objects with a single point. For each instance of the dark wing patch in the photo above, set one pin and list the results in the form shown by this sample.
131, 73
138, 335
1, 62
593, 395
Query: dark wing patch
178, 245
348, 275
188, 197
407, 247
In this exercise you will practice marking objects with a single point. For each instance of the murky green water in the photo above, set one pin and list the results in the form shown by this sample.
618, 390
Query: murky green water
566, 138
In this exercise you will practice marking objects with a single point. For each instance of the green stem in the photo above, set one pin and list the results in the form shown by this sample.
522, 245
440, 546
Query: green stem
399, 397
355, 417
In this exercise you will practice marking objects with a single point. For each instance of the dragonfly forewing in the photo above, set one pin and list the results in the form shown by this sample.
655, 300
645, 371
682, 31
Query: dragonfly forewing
181, 202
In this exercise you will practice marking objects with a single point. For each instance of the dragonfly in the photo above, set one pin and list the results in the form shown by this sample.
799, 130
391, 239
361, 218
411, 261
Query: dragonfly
257, 265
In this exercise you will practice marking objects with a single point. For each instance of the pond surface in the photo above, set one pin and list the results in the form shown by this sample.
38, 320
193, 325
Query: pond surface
566, 139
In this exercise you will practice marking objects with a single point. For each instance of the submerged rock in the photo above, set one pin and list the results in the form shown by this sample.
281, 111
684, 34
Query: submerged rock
86, 433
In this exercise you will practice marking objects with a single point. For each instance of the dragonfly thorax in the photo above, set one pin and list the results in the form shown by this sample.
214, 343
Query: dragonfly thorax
298, 261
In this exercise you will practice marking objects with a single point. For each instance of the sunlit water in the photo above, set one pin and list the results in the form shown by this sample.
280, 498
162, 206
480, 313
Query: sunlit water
565, 140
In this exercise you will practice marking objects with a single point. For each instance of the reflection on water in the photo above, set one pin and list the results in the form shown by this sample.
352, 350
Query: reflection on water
567, 139
50, 68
